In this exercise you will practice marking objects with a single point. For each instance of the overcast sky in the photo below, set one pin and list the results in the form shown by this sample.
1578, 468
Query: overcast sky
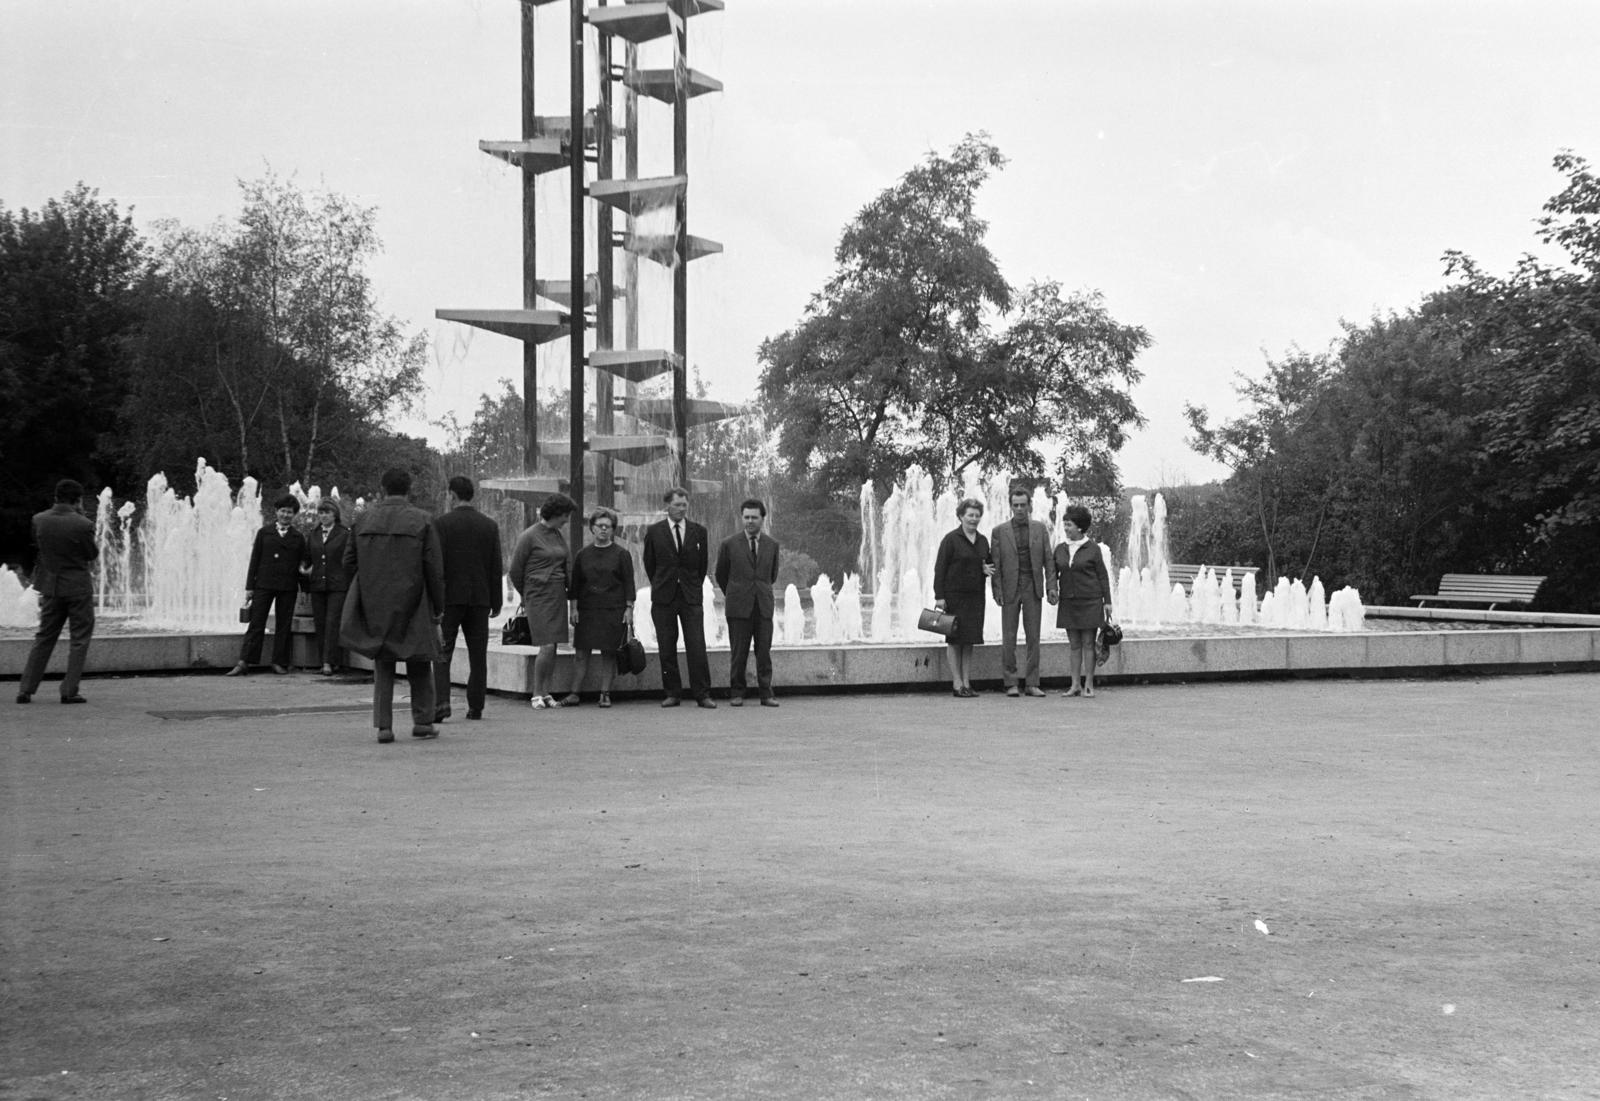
1236, 177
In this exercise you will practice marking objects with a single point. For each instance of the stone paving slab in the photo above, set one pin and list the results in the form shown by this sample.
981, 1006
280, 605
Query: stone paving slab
1344, 889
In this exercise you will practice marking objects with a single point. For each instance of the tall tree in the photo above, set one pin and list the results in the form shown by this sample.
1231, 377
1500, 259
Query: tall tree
69, 301
894, 363
270, 337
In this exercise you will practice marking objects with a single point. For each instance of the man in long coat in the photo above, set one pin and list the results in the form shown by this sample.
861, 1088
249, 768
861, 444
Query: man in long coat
64, 537
396, 602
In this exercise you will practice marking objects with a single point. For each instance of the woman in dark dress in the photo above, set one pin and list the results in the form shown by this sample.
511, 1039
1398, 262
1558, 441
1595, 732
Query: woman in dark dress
961, 575
327, 582
601, 597
539, 571
1085, 597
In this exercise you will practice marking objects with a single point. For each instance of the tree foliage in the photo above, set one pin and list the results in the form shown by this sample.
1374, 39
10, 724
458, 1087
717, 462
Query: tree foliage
1463, 436
70, 276
894, 363
265, 341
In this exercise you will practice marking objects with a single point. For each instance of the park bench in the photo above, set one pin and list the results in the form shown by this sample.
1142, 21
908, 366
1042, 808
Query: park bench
1483, 588
1185, 574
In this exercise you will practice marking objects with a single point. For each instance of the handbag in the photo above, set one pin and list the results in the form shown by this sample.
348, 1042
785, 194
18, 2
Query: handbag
631, 658
515, 631
244, 611
1108, 636
940, 623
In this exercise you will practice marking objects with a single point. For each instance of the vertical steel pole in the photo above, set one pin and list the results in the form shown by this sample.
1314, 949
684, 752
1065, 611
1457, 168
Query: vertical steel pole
530, 349
604, 319
576, 23
680, 267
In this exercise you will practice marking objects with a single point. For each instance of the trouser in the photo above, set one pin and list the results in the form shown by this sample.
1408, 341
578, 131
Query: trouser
666, 618
1026, 607
77, 614
326, 608
261, 603
419, 675
741, 632
473, 623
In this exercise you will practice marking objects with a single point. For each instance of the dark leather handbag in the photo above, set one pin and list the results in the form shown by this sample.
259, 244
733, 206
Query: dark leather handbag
515, 631
1110, 635
631, 659
940, 623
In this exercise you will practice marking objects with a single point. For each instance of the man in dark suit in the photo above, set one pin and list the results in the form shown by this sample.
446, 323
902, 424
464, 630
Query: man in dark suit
1024, 575
64, 539
273, 580
747, 569
676, 556
472, 595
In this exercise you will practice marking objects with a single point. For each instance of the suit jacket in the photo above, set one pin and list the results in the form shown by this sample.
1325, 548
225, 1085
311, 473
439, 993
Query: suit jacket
1086, 577
675, 576
64, 538
747, 582
275, 561
1003, 542
472, 558
326, 556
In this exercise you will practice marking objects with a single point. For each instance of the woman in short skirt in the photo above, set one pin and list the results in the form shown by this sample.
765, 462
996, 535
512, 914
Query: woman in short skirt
1085, 597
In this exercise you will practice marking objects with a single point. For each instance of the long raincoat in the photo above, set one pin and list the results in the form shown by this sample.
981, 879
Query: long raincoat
397, 586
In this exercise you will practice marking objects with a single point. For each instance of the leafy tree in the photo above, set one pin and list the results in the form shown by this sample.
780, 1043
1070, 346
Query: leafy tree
894, 363
69, 300
268, 340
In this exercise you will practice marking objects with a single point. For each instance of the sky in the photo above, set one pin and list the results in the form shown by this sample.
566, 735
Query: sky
1237, 177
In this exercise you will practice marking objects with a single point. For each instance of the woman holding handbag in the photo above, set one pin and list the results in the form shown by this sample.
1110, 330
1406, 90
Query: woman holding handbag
961, 573
600, 596
539, 571
1085, 606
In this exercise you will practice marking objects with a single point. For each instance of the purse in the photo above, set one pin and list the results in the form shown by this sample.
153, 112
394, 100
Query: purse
631, 658
515, 631
940, 623
1108, 636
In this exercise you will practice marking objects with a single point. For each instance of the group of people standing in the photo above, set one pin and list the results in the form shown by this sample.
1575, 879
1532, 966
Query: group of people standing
593, 592
1018, 566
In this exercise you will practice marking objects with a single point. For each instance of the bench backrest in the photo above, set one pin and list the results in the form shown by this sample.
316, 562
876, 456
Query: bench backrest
1185, 573
1510, 586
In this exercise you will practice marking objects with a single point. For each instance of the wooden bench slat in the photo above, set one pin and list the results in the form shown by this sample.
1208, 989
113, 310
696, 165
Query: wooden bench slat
1490, 589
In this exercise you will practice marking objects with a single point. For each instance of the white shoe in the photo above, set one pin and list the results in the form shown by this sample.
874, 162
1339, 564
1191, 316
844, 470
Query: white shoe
539, 704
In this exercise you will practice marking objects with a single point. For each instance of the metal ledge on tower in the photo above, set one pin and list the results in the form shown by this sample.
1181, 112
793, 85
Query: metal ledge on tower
559, 291
661, 246
536, 154
701, 410
534, 489
639, 197
532, 326
633, 364
661, 84
644, 22
560, 126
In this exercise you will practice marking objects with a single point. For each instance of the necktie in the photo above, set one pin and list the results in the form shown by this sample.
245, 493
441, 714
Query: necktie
677, 537
753, 555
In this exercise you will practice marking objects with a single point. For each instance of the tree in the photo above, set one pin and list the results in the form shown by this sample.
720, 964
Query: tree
69, 301
269, 341
894, 364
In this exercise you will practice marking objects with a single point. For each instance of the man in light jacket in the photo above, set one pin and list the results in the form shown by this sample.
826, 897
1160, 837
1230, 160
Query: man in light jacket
1024, 576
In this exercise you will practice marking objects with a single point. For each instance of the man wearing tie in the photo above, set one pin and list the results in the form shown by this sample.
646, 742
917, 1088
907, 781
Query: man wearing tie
272, 583
747, 569
676, 556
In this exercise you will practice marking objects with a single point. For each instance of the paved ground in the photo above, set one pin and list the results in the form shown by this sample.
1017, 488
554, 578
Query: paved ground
850, 897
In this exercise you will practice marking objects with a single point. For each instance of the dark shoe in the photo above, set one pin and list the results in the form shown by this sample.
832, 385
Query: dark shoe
670, 701
735, 701
706, 702
24, 697
281, 670
239, 670
475, 715
1033, 690
424, 732
385, 737
768, 701
571, 699
1011, 690
441, 714
73, 699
